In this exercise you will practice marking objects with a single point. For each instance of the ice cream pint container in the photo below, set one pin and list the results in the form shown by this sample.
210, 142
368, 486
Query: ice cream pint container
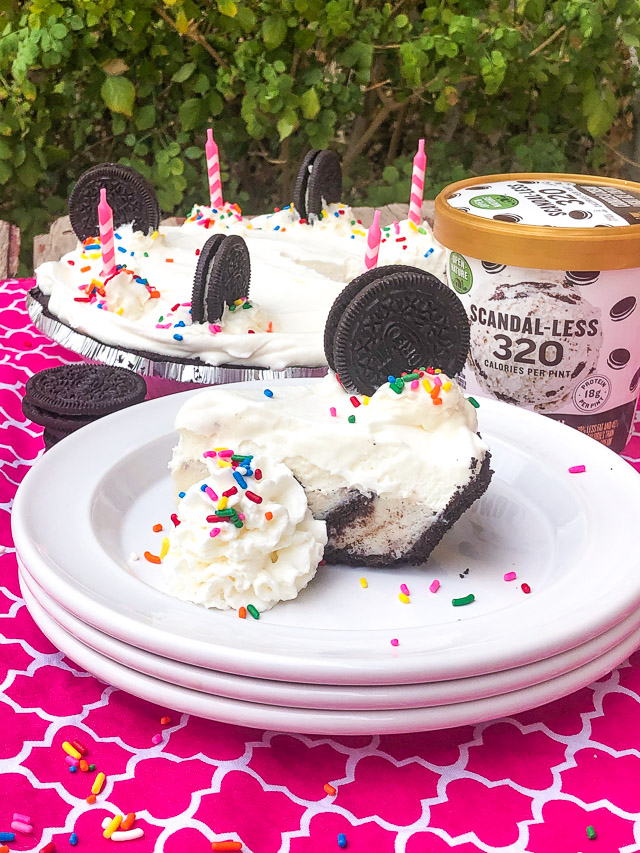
548, 269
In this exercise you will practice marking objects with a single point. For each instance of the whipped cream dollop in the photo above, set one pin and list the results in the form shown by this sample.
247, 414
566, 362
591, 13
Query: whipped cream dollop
402, 445
124, 298
239, 546
297, 271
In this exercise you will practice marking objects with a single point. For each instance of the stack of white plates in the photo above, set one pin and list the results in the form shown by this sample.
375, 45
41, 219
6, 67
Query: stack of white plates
325, 663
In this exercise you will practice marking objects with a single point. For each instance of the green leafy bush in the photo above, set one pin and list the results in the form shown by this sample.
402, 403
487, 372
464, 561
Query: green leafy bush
494, 85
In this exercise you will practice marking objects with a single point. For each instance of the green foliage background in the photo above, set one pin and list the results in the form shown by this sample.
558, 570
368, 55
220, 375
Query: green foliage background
494, 85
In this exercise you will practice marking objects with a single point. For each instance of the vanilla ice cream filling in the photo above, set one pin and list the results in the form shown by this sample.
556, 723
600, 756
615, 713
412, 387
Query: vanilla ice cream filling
400, 463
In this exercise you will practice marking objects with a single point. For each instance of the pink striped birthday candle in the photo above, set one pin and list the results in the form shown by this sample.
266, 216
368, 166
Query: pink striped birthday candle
373, 242
213, 171
107, 242
417, 185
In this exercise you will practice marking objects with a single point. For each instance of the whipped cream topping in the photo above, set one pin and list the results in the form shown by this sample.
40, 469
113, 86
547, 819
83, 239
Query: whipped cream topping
266, 553
124, 298
403, 445
297, 270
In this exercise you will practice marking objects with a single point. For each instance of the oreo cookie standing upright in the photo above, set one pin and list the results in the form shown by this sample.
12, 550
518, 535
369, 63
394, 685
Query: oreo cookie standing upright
201, 277
131, 197
325, 182
223, 275
397, 323
348, 293
300, 189
319, 181
230, 277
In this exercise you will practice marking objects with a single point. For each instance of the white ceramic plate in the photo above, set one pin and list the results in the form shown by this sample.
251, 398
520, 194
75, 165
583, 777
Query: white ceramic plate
331, 697
92, 500
309, 720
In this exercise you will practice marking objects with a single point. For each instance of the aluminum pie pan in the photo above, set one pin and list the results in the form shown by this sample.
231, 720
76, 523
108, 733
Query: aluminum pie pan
186, 371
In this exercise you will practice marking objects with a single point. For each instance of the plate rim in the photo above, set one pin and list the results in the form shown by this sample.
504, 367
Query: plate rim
406, 694
336, 723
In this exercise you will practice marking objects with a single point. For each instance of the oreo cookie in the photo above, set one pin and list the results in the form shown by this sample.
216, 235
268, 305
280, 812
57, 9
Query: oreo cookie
223, 276
56, 424
580, 214
201, 277
131, 197
633, 385
397, 323
492, 269
581, 277
300, 189
623, 308
325, 182
507, 217
618, 358
81, 390
347, 294
319, 182
51, 438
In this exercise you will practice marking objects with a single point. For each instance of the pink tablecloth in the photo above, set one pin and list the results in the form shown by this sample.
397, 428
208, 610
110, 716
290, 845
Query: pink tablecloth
533, 782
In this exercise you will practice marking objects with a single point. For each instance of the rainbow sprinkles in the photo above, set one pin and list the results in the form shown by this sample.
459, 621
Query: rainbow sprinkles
244, 536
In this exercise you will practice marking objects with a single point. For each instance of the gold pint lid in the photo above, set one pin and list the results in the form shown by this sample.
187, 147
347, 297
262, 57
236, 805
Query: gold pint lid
542, 221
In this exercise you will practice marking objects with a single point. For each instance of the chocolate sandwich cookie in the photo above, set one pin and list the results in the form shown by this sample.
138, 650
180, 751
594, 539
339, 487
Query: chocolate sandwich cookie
582, 277
492, 268
348, 293
618, 359
56, 424
223, 277
230, 277
508, 217
300, 189
51, 438
623, 308
130, 196
201, 277
325, 182
81, 390
319, 181
397, 323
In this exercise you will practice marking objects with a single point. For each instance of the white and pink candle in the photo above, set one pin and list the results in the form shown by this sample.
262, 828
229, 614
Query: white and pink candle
107, 241
213, 171
417, 185
374, 236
